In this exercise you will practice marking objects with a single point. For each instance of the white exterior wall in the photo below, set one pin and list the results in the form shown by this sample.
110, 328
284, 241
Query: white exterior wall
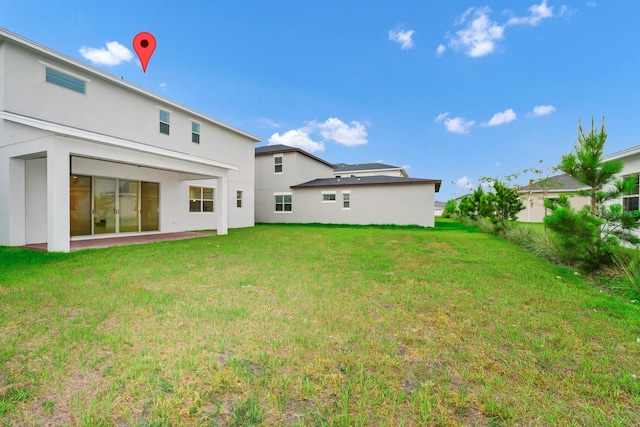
400, 204
110, 108
296, 169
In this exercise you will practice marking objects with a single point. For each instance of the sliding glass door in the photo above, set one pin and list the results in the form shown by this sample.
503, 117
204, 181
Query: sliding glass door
111, 205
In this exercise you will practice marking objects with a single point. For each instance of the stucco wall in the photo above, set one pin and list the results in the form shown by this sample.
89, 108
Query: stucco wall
376, 204
534, 210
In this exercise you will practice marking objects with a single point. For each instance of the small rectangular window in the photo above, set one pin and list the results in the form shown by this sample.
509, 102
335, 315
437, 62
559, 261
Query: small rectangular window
283, 203
346, 201
165, 117
201, 199
65, 80
278, 164
195, 132
238, 199
329, 197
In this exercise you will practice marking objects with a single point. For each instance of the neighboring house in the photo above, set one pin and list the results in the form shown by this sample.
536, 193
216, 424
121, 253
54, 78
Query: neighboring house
438, 208
85, 154
297, 187
631, 168
367, 169
533, 196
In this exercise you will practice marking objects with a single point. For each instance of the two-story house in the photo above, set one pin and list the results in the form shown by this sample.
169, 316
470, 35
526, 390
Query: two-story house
294, 186
85, 154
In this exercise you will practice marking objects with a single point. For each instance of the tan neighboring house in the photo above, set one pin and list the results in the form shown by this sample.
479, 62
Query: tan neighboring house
533, 196
630, 159
295, 186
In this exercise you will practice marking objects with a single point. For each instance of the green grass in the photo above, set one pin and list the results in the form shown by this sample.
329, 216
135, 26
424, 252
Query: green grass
311, 325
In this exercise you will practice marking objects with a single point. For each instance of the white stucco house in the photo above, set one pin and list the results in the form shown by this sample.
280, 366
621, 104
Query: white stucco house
84, 154
294, 186
630, 159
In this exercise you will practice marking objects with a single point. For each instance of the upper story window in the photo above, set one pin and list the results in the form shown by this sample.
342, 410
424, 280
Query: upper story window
277, 163
65, 80
195, 132
165, 118
631, 199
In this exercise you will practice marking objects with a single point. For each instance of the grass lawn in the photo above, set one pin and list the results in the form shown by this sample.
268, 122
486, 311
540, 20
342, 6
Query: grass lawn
313, 325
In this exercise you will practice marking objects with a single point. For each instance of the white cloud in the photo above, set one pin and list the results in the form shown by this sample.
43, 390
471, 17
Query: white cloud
113, 54
507, 116
336, 130
441, 117
441, 49
591, 4
480, 35
269, 123
296, 138
542, 110
458, 125
538, 12
464, 182
163, 86
405, 38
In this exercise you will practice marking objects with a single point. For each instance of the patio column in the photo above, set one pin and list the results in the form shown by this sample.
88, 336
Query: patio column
16, 202
58, 228
222, 205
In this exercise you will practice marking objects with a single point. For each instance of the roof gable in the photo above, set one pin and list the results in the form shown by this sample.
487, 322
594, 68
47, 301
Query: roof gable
281, 148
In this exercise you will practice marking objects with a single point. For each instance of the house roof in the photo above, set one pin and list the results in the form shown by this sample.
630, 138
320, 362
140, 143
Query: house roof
368, 167
367, 180
8, 36
556, 183
619, 155
281, 148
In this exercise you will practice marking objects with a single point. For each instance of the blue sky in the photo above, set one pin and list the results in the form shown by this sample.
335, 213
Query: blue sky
453, 90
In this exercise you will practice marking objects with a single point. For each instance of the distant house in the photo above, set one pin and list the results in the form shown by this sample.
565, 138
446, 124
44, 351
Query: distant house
438, 208
295, 186
533, 196
631, 168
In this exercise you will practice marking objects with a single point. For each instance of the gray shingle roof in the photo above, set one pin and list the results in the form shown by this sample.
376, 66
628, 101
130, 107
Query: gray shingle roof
366, 180
562, 182
345, 167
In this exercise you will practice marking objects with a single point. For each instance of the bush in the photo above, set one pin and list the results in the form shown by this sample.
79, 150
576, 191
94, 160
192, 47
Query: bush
627, 265
544, 246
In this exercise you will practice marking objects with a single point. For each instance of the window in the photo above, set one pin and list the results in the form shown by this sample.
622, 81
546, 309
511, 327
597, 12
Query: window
165, 116
200, 199
328, 197
631, 198
346, 200
238, 199
195, 132
277, 160
283, 203
65, 80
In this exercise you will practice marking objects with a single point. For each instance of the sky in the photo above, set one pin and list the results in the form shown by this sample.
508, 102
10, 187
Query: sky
452, 90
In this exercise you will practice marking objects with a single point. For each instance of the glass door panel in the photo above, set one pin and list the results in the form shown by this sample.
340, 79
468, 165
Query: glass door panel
104, 206
80, 205
149, 206
128, 206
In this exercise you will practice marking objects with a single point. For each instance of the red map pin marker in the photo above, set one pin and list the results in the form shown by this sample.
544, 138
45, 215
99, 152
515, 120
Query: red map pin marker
144, 44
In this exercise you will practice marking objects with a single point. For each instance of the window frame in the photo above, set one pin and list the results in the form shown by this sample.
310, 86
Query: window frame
167, 122
195, 135
79, 80
277, 165
633, 196
346, 202
326, 197
284, 203
201, 200
239, 199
